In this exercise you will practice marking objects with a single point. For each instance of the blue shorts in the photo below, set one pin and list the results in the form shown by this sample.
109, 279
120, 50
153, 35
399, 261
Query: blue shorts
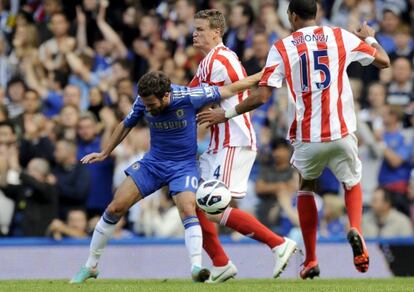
151, 174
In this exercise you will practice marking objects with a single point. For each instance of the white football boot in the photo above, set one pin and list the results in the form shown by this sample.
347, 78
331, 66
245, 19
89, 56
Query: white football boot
222, 274
282, 255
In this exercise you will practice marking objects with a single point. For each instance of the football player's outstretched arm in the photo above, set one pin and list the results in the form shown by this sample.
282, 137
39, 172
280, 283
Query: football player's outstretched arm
218, 115
367, 33
241, 85
117, 136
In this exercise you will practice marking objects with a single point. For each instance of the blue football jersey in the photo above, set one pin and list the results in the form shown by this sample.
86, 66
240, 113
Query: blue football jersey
174, 131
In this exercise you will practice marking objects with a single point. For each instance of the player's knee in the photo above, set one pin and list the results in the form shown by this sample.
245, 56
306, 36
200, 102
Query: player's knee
187, 208
117, 209
308, 185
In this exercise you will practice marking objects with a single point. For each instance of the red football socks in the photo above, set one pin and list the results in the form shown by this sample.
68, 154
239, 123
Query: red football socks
353, 203
211, 243
248, 225
308, 219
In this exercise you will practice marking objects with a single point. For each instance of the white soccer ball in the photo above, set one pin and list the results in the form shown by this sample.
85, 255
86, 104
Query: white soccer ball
213, 196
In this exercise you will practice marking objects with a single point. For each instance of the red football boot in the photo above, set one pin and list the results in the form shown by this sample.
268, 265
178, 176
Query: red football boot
361, 257
311, 270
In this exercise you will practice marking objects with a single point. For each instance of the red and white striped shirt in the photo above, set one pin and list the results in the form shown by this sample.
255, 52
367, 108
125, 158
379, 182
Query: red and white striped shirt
313, 60
221, 66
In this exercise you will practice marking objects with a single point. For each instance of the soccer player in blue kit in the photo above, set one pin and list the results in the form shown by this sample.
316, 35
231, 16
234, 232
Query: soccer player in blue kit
170, 111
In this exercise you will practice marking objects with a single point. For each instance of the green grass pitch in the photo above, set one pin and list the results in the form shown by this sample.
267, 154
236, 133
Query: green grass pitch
331, 285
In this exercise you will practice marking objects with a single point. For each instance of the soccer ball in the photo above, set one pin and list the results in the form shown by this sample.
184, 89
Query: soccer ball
213, 196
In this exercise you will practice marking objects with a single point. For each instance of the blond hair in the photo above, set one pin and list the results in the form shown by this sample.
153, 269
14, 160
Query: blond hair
215, 19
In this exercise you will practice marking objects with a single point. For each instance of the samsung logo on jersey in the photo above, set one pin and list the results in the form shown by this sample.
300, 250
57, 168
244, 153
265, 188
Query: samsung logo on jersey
321, 38
168, 125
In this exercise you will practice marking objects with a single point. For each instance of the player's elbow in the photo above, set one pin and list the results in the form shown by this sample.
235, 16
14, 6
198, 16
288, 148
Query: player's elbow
383, 62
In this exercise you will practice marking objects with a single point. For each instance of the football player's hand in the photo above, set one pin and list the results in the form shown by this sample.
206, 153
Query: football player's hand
364, 31
211, 117
93, 157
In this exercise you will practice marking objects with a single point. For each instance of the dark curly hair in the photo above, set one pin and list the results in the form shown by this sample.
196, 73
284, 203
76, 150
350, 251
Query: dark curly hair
154, 83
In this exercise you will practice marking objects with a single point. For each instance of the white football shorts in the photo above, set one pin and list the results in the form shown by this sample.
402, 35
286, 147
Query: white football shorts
341, 156
231, 165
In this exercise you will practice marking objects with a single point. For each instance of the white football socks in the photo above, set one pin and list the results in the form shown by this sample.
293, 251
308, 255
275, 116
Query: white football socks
102, 233
193, 240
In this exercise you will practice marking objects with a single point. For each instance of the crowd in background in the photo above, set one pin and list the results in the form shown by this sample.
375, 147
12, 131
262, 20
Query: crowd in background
68, 75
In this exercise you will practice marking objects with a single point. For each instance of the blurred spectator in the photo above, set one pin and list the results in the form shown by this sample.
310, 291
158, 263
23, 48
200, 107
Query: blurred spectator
75, 226
65, 126
400, 90
96, 101
159, 217
49, 87
260, 50
372, 115
321, 15
50, 52
342, 11
327, 182
34, 143
395, 168
240, 33
31, 107
72, 178
383, 220
134, 146
403, 42
333, 220
35, 198
391, 20
117, 49
43, 14
271, 23
89, 140
15, 93
25, 43
275, 186
82, 76
72, 95
181, 30
120, 232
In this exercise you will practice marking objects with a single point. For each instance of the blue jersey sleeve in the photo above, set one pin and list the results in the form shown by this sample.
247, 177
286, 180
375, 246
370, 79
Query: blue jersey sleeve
200, 96
135, 114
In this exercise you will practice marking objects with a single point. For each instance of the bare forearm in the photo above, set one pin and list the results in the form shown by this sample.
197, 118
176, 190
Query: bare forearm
241, 85
111, 36
117, 136
76, 64
382, 60
258, 98
81, 37
33, 81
